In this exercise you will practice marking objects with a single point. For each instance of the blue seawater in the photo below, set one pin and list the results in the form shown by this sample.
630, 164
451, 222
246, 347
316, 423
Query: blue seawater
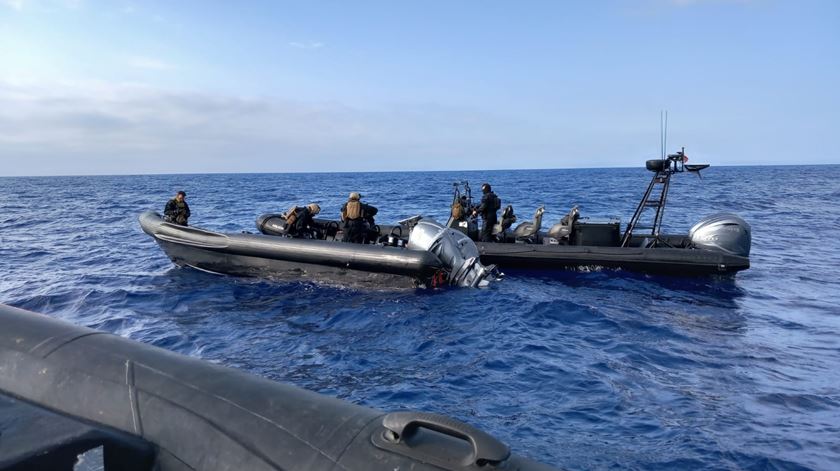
584, 370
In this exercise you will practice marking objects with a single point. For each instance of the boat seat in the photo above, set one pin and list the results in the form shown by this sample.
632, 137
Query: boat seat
527, 230
563, 229
507, 220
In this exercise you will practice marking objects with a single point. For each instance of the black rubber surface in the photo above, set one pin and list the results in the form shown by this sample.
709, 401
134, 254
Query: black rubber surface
198, 415
657, 260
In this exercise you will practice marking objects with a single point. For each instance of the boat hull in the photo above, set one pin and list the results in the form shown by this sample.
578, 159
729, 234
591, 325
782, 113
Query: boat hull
261, 255
672, 261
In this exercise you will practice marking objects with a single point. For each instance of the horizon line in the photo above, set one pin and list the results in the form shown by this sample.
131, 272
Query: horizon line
377, 171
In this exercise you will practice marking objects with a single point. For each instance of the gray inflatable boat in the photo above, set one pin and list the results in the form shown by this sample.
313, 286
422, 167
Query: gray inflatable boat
433, 256
65, 390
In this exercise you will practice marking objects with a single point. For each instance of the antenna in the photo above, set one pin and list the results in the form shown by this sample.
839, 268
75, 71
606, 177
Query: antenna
663, 133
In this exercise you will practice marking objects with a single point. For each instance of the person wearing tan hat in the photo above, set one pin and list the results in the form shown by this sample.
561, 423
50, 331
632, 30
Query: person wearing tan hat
300, 222
357, 218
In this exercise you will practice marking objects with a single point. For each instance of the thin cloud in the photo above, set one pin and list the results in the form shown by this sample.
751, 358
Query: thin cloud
306, 44
689, 3
149, 63
43, 5
101, 127
13, 4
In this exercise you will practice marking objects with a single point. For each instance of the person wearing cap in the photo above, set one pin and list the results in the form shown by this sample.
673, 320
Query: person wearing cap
490, 203
177, 211
357, 218
304, 225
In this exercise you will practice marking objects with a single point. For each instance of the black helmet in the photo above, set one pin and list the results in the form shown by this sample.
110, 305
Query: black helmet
485, 188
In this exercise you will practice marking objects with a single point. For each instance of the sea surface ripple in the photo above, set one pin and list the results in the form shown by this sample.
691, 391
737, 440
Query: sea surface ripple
580, 369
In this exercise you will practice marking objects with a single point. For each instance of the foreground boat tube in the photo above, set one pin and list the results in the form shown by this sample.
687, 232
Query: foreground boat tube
155, 409
259, 255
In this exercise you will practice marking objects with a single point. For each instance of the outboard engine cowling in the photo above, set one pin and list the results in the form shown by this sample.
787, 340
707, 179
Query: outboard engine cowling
725, 232
457, 251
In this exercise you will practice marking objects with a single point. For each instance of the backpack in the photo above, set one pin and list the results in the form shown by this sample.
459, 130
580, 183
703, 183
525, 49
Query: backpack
457, 210
353, 210
291, 216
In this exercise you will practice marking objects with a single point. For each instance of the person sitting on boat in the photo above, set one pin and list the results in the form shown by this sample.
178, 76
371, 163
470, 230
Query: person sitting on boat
490, 203
300, 222
177, 211
357, 218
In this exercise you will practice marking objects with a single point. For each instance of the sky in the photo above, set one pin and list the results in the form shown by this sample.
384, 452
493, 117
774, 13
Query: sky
110, 87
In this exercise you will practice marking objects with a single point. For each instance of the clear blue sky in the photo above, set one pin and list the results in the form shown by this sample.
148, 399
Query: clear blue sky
89, 87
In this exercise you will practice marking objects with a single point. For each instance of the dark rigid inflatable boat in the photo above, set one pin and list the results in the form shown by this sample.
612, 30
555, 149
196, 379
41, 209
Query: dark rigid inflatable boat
719, 243
662, 260
714, 246
66, 389
433, 253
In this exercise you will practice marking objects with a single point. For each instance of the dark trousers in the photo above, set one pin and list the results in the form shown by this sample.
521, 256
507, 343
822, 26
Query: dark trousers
487, 230
355, 231
180, 220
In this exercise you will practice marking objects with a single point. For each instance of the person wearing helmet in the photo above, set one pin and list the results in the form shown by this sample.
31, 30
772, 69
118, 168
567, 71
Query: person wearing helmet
490, 203
177, 211
357, 218
303, 224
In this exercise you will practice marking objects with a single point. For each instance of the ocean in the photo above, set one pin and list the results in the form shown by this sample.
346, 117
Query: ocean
589, 369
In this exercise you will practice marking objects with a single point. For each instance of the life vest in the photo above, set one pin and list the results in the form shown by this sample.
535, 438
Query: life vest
457, 210
291, 216
352, 210
178, 212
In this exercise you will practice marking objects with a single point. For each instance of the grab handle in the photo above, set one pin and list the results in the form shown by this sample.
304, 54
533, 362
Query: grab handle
485, 448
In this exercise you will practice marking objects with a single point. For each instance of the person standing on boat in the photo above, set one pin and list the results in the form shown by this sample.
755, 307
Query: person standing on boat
301, 222
177, 211
357, 218
490, 203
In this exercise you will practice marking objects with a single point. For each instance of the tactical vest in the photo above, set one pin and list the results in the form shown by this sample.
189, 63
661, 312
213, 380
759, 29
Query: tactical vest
291, 216
353, 210
181, 212
457, 210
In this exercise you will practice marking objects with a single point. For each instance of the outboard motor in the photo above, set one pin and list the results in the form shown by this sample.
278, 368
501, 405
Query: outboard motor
272, 224
724, 232
457, 252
